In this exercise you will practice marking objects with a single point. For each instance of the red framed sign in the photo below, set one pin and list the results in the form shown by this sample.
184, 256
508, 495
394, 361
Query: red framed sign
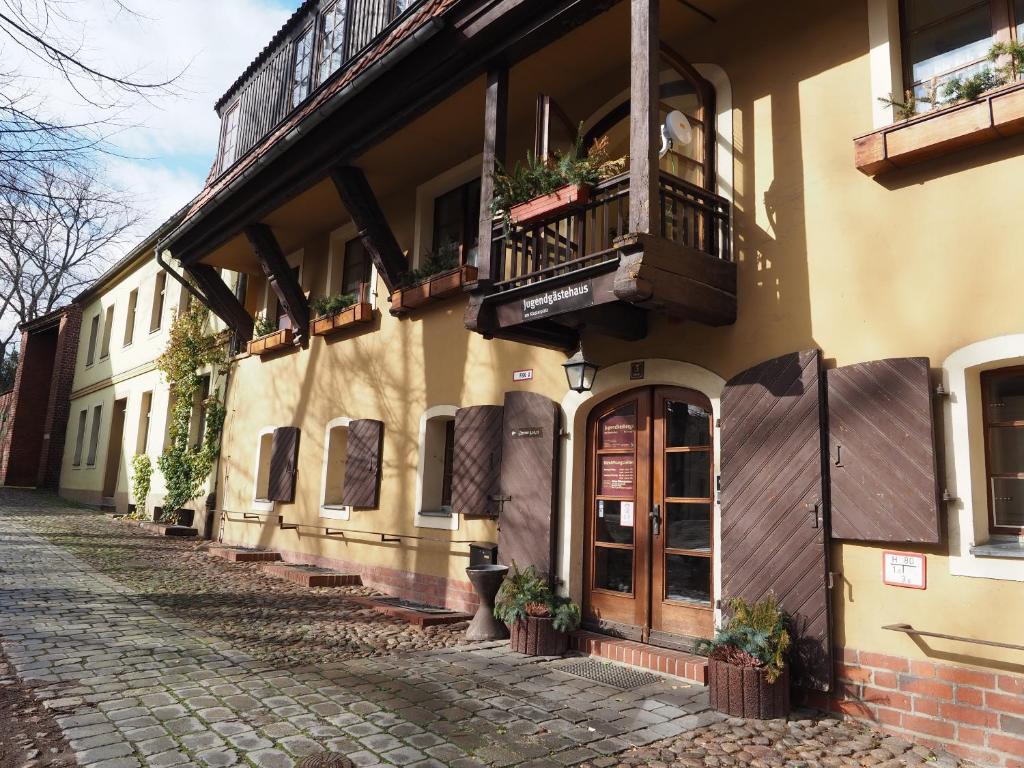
905, 569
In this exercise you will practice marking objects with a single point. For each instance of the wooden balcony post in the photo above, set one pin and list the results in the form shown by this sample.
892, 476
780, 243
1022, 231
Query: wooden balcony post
644, 125
281, 278
374, 230
495, 149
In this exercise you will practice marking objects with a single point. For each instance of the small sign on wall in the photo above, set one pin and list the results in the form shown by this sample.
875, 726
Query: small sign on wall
524, 375
905, 569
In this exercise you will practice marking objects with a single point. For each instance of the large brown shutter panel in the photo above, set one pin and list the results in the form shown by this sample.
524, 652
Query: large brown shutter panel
882, 460
528, 527
362, 463
284, 464
477, 465
773, 521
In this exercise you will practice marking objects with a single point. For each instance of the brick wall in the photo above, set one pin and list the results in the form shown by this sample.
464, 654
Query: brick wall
975, 714
59, 408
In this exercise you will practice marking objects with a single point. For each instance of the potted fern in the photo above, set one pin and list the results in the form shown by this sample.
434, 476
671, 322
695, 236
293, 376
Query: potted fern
748, 675
338, 311
540, 621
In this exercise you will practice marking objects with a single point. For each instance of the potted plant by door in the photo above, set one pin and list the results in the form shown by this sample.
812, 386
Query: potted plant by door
540, 620
748, 675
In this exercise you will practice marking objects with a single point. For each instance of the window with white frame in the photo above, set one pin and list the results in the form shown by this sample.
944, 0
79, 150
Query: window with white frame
264, 446
94, 332
129, 320
94, 436
1002, 393
302, 65
229, 137
145, 419
83, 417
156, 314
108, 329
332, 38
438, 452
332, 492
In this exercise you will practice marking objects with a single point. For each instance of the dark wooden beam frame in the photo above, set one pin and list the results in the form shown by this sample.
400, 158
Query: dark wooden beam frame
644, 126
221, 300
281, 278
374, 230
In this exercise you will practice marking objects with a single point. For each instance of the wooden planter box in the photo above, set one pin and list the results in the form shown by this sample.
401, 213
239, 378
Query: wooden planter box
270, 342
744, 692
562, 199
932, 134
538, 637
439, 286
357, 313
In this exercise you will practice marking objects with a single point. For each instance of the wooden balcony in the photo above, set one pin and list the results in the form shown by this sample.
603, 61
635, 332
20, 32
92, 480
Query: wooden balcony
583, 267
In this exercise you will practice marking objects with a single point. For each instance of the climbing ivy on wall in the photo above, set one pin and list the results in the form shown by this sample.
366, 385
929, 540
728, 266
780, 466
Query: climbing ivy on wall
142, 472
191, 350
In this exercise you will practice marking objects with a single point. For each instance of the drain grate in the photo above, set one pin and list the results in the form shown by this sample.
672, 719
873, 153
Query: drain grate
625, 678
398, 602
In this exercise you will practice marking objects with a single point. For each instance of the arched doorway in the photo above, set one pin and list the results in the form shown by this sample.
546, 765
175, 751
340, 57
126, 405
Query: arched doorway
649, 543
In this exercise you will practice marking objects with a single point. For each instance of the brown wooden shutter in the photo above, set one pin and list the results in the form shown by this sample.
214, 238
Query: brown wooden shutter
773, 523
882, 459
284, 464
527, 531
362, 463
477, 463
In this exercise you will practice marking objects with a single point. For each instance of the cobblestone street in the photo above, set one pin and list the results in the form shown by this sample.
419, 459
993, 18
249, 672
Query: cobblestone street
99, 625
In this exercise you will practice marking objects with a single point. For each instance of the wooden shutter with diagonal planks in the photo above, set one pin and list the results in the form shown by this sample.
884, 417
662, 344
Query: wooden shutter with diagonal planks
882, 460
364, 447
477, 464
284, 461
773, 494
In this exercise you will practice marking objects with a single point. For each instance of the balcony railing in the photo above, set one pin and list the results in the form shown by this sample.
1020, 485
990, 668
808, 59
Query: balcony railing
584, 237
266, 97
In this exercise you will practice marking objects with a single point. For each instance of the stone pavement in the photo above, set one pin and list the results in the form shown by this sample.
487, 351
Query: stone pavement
133, 685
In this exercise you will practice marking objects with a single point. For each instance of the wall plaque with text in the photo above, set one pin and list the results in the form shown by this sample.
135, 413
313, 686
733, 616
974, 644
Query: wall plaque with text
558, 300
616, 477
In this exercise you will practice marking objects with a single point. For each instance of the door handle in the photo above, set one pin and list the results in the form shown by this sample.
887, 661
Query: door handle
656, 519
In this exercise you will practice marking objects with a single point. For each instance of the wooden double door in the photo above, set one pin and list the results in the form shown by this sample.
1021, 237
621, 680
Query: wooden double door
650, 516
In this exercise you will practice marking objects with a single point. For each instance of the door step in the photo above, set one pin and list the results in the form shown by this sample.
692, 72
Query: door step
165, 529
684, 665
244, 554
311, 576
415, 613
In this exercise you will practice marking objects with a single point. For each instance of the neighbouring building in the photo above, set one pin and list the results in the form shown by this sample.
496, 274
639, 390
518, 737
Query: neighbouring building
34, 416
803, 307
119, 400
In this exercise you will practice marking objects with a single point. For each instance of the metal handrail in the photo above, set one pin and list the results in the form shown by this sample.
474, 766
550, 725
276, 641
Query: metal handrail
907, 629
334, 530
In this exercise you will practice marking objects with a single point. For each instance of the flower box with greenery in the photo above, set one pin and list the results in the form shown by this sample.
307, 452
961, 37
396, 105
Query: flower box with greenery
337, 312
267, 337
540, 620
963, 112
439, 275
540, 189
748, 675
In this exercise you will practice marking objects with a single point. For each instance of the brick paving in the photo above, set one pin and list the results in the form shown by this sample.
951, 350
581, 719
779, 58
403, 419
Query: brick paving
132, 680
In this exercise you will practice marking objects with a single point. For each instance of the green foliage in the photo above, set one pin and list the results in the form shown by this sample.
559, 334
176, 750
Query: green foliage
754, 636
263, 327
969, 88
434, 263
524, 593
191, 349
905, 109
8, 369
536, 177
1013, 50
142, 472
331, 305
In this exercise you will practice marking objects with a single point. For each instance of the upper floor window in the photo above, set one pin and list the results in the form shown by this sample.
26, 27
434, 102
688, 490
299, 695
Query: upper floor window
229, 139
332, 41
401, 6
356, 269
457, 221
157, 313
108, 328
1003, 399
94, 330
944, 39
302, 66
129, 320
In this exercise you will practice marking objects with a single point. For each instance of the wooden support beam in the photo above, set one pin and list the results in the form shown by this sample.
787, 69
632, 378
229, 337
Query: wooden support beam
644, 125
281, 278
221, 300
374, 231
495, 150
